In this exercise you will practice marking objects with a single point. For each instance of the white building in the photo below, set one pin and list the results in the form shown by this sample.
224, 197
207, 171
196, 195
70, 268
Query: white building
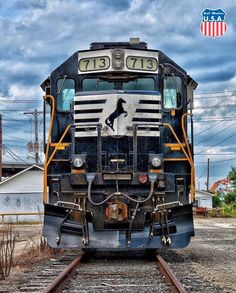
23, 193
203, 199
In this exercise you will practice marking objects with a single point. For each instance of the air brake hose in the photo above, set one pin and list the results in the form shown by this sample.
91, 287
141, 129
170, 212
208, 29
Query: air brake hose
131, 224
90, 181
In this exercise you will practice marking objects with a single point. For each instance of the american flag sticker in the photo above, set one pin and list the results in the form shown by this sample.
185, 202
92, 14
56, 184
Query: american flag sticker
213, 24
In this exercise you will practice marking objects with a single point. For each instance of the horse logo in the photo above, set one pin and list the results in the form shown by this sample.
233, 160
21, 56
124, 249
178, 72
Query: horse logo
114, 115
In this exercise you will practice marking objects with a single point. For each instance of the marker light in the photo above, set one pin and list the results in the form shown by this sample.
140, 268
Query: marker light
143, 178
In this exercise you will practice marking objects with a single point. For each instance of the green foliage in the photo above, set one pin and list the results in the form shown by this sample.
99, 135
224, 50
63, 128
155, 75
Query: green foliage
229, 211
216, 201
232, 176
230, 197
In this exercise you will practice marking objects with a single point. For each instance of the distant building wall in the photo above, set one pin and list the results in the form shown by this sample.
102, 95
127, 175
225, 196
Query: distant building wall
203, 199
23, 193
21, 203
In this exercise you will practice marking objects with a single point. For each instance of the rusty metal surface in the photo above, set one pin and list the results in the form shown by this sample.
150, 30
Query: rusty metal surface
168, 273
59, 282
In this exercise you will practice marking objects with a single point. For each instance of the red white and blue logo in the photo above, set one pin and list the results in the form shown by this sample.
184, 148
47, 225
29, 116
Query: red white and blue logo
213, 24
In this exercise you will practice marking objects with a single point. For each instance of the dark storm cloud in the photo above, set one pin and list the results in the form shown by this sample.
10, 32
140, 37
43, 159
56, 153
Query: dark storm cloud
29, 4
116, 5
218, 76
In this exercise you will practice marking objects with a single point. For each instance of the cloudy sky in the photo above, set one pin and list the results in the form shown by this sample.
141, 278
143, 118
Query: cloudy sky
38, 35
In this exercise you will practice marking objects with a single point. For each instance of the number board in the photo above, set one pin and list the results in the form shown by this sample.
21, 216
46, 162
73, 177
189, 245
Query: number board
94, 63
141, 63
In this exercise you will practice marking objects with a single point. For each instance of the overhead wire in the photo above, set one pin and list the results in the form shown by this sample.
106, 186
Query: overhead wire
201, 175
13, 155
217, 105
216, 144
212, 126
218, 161
210, 137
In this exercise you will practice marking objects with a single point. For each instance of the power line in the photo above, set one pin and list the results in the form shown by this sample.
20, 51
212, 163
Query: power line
12, 154
16, 137
208, 138
216, 144
219, 106
210, 119
21, 101
213, 162
216, 92
211, 126
210, 108
200, 175
10, 127
218, 154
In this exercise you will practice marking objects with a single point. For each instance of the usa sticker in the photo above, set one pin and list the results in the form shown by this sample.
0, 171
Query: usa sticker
213, 24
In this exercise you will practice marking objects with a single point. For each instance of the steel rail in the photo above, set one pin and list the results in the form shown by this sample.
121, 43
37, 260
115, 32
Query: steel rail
170, 276
58, 284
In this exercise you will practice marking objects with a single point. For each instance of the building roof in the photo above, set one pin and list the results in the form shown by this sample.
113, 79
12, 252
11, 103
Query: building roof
22, 172
203, 193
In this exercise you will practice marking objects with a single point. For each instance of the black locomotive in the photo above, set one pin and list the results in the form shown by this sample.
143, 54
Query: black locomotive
119, 169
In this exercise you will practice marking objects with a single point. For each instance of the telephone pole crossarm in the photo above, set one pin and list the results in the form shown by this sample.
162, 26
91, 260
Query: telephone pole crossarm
35, 113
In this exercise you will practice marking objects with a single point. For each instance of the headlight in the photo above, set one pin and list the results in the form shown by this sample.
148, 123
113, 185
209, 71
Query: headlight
78, 162
156, 162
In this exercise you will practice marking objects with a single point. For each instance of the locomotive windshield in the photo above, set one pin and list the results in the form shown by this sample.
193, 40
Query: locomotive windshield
97, 84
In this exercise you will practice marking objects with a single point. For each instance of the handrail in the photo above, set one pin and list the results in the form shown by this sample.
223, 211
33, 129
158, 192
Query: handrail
185, 135
48, 143
176, 137
45, 194
51, 124
189, 158
190, 155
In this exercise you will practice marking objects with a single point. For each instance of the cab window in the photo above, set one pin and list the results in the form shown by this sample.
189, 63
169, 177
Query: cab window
143, 84
66, 90
96, 84
172, 92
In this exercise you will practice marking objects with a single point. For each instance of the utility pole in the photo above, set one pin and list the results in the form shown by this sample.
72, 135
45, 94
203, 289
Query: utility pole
208, 173
35, 113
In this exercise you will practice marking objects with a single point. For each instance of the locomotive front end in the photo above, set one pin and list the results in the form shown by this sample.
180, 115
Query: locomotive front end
119, 166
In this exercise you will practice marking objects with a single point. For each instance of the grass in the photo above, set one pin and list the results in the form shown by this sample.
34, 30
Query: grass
230, 210
35, 250
7, 247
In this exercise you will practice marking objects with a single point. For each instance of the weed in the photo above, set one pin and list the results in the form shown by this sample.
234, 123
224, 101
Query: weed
7, 246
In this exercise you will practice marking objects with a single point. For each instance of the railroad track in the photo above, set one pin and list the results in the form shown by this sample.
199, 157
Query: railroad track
111, 273
107, 275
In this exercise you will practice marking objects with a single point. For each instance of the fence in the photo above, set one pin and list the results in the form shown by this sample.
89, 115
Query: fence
16, 217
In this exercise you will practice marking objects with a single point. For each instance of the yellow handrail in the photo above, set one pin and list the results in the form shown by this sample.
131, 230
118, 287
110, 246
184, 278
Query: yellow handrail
45, 194
189, 157
48, 143
185, 135
176, 137
50, 126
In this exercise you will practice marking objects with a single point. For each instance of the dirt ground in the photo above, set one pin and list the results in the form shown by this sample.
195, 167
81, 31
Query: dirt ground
28, 236
212, 252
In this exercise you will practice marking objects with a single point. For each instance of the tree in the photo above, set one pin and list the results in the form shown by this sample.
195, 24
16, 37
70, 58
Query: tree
232, 176
216, 201
231, 196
